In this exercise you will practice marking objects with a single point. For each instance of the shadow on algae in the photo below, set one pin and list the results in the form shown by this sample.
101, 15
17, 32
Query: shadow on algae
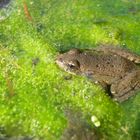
37, 99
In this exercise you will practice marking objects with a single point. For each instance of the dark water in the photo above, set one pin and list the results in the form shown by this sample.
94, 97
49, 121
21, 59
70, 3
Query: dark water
78, 128
17, 138
3, 3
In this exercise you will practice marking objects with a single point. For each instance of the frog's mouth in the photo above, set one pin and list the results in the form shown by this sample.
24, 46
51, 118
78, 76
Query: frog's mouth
60, 64
63, 66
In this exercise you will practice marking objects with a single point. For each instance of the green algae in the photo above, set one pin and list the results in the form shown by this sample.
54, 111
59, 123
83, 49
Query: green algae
33, 96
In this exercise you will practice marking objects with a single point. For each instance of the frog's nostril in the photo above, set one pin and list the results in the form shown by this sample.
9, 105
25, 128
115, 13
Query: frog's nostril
60, 59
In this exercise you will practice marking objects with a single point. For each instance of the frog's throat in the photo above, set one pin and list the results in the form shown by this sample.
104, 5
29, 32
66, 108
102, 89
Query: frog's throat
71, 72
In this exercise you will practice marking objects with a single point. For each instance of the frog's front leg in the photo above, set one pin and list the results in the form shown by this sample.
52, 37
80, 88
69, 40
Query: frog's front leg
97, 80
126, 87
121, 52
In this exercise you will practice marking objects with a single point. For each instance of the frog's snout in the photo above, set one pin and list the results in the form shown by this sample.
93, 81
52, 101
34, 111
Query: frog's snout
59, 60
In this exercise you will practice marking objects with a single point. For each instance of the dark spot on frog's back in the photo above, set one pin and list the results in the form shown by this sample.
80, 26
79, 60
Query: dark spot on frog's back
108, 62
97, 65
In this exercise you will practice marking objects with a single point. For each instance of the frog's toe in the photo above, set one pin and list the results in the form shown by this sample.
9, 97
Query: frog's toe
125, 96
122, 94
126, 87
115, 90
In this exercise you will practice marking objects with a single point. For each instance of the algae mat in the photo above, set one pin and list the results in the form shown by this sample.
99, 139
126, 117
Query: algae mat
35, 94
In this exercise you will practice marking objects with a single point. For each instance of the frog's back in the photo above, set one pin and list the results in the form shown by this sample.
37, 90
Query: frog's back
105, 64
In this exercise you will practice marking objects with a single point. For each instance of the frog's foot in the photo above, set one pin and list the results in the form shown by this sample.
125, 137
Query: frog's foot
121, 52
126, 96
126, 87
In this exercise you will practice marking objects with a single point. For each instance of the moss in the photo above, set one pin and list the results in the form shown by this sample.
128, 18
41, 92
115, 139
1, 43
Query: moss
34, 91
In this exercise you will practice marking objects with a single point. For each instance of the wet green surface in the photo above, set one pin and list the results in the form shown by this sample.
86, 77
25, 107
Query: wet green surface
34, 92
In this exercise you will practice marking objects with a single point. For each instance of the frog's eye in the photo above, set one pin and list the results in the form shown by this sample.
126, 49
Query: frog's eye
74, 64
71, 65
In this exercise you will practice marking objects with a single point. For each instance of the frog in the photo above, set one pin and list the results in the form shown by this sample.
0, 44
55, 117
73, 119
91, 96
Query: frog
116, 69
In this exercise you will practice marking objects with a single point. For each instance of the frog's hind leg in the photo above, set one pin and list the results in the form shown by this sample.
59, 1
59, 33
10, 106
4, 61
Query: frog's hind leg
126, 96
121, 52
126, 87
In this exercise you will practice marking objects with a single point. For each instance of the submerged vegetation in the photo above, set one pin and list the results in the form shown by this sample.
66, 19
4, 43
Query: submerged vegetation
35, 93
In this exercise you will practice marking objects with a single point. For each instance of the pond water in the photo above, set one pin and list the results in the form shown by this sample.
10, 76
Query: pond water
6, 7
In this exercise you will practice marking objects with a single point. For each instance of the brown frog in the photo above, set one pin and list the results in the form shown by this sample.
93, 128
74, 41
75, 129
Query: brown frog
113, 68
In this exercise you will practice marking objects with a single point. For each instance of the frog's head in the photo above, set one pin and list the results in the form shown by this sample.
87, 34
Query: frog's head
68, 61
